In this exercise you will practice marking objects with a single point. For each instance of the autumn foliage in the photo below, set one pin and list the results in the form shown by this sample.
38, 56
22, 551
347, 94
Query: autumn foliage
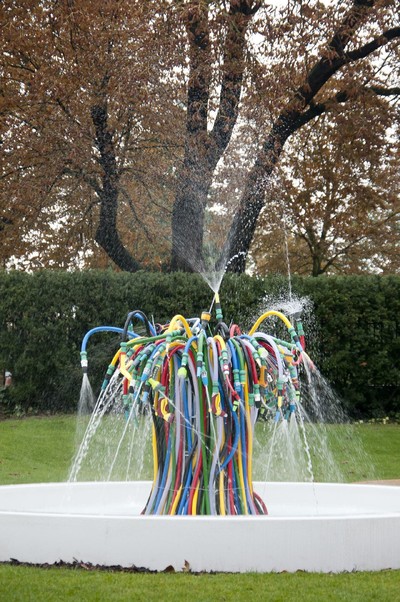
125, 124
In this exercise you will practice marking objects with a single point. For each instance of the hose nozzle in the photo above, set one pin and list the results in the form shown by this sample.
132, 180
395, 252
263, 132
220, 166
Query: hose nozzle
205, 319
84, 362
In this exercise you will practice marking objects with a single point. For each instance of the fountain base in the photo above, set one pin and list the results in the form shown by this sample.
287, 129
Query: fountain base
319, 527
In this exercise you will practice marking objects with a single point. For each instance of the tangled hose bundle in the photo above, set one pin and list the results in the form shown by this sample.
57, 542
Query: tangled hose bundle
205, 392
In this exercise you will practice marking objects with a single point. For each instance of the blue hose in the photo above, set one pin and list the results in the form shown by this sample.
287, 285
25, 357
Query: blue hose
133, 335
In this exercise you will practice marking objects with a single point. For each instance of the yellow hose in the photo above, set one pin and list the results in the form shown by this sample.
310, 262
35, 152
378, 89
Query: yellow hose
221, 494
155, 456
115, 358
122, 366
184, 322
249, 435
220, 341
269, 313
194, 501
241, 478
176, 500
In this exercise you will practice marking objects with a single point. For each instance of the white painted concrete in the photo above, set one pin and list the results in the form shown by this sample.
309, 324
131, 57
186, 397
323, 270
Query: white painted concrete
311, 527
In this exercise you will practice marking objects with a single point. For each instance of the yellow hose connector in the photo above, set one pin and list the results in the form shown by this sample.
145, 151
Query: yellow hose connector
122, 363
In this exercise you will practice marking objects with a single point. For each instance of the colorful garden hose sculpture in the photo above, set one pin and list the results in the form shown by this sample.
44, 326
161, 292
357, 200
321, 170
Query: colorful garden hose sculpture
205, 392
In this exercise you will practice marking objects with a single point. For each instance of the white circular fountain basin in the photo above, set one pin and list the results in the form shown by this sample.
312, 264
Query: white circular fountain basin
310, 527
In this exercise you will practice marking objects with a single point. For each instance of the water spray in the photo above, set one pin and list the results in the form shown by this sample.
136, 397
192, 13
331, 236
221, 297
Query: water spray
204, 390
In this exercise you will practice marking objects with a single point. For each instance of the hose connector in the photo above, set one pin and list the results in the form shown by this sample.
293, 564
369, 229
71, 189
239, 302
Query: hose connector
280, 384
205, 319
144, 398
168, 340
204, 375
199, 364
295, 338
236, 380
169, 417
218, 310
146, 371
166, 414
216, 403
108, 375
257, 394
84, 362
156, 386
263, 353
182, 372
224, 359
300, 329
126, 401
257, 358
262, 377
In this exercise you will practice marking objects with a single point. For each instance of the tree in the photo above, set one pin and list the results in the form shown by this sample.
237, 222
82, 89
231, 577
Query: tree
95, 103
327, 78
335, 204
86, 107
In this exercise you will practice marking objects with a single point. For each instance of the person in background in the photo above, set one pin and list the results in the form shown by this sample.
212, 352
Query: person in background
7, 379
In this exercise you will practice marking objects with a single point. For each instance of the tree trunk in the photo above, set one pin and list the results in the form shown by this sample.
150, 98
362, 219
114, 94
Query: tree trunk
107, 235
204, 149
317, 265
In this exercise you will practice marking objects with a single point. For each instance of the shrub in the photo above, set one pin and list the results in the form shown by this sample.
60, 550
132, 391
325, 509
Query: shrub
43, 317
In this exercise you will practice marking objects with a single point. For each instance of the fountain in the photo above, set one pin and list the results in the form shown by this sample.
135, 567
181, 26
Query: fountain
198, 396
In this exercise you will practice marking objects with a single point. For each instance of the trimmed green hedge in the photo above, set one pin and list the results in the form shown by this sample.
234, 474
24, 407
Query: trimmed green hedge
355, 336
359, 350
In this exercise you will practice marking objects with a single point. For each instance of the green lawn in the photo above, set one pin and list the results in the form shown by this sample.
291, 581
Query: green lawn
382, 442
34, 450
41, 449
30, 583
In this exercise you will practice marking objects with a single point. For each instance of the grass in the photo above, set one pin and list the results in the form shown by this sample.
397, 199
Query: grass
19, 583
382, 442
35, 450
365, 451
41, 449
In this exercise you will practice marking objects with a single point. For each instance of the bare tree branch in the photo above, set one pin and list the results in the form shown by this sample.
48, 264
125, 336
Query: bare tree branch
367, 49
381, 91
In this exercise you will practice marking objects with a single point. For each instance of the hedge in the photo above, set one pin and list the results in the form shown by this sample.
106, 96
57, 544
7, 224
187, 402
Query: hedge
353, 329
